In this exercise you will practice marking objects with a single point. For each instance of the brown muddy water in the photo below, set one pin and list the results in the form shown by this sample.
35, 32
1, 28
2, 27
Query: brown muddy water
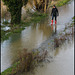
36, 34
62, 62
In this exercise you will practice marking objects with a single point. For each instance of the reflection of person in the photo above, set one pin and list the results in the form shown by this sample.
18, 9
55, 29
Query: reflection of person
55, 28
54, 13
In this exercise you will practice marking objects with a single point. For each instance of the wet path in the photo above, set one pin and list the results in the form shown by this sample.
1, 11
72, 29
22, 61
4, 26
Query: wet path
33, 36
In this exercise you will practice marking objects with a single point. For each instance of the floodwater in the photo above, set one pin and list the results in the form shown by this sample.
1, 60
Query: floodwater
62, 64
33, 36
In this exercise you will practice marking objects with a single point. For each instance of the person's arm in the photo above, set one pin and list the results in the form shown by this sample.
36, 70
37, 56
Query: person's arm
51, 12
57, 12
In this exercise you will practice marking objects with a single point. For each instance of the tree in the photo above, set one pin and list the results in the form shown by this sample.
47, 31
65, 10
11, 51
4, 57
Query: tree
14, 7
43, 5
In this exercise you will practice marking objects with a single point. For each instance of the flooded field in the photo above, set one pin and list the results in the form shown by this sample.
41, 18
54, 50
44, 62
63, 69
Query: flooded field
36, 34
62, 64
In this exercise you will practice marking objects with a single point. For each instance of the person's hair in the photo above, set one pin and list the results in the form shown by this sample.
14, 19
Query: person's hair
54, 5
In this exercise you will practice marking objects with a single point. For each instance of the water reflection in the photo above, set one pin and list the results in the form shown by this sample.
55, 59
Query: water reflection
54, 28
35, 35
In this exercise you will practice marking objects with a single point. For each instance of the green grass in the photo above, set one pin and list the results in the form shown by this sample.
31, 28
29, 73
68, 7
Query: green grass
2, 26
5, 35
5, 22
10, 70
62, 2
36, 17
18, 30
73, 21
73, 18
59, 3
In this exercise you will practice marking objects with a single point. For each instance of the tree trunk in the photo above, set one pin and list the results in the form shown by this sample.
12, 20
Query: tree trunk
16, 16
45, 6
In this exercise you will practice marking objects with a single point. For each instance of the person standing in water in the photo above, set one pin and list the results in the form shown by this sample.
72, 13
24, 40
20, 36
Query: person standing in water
54, 13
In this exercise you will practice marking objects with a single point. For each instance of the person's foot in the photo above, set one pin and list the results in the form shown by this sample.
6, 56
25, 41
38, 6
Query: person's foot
51, 22
55, 22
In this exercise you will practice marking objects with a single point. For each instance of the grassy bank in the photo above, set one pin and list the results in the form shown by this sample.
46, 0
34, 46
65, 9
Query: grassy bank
27, 62
35, 17
58, 3
62, 2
